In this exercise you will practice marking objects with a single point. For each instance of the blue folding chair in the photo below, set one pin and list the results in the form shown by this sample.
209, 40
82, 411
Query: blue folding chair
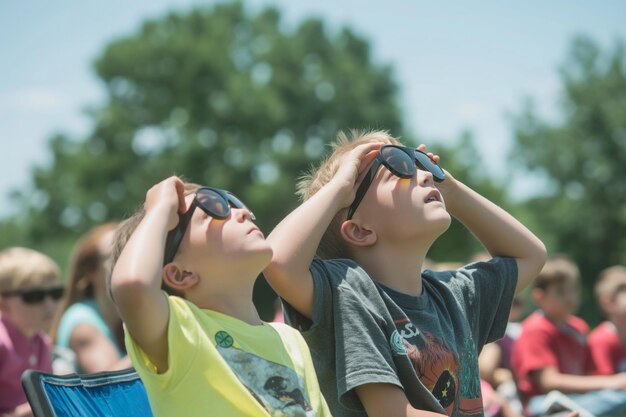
102, 394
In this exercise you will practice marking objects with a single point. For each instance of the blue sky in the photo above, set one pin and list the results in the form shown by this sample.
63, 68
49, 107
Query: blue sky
459, 65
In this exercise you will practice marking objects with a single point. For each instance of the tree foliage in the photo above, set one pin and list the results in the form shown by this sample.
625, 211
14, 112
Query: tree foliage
584, 157
219, 96
222, 97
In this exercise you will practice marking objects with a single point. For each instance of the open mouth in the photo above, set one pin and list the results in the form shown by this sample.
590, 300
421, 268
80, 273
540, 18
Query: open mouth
433, 196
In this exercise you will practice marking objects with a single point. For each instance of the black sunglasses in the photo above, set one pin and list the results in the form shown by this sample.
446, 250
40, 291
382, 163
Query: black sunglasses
36, 296
402, 162
214, 202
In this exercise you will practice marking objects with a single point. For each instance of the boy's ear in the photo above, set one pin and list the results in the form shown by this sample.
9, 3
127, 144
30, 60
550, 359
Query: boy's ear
177, 278
358, 235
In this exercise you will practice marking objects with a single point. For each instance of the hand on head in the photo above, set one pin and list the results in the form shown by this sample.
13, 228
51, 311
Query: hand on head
169, 196
353, 167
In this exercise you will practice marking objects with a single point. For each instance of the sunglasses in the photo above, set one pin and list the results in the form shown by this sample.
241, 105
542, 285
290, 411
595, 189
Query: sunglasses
36, 296
402, 162
214, 202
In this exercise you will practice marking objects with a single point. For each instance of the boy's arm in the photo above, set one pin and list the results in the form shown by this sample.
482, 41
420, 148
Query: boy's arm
137, 274
499, 232
387, 400
550, 379
295, 239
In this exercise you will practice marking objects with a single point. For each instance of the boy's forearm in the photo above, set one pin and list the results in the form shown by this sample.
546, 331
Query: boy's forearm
294, 242
140, 263
499, 232
296, 238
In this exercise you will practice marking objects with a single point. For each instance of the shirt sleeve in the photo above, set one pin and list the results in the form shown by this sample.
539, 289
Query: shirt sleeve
601, 352
488, 295
534, 350
79, 313
182, 338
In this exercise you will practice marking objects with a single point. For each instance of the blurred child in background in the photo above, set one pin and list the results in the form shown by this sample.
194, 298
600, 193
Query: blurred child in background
552, 354
29, 294
608, 340
87, 321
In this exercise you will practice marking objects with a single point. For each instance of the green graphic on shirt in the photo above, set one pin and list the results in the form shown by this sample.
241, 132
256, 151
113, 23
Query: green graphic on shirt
223, 339
469, 375
397, 346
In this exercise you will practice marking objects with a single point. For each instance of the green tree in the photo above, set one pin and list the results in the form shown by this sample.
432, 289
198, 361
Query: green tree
583, 156
219, 95
226, 98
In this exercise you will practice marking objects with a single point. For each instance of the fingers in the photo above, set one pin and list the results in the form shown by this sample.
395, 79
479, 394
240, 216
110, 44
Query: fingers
432, 156
169, 191
365, 154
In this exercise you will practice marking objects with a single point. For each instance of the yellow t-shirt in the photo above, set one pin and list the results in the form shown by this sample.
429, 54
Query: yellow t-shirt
221, 366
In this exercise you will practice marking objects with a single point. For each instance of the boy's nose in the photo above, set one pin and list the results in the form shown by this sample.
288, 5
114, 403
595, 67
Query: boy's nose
425, 177
242, 214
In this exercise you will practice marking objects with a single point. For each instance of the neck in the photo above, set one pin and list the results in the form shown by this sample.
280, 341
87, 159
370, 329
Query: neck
396, 266
557, 319
228, 295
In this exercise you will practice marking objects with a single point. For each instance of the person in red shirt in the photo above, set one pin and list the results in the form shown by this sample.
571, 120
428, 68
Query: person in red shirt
552, 354
608, 341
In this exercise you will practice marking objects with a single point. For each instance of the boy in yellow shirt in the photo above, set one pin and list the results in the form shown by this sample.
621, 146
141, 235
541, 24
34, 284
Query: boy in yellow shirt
200, 347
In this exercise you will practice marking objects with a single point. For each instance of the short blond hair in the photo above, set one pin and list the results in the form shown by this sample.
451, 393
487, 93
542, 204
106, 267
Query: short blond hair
557, 270
22, 268
610, 281
332, 245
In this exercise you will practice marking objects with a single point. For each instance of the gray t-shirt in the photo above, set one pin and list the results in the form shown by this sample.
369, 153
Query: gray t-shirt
363, 332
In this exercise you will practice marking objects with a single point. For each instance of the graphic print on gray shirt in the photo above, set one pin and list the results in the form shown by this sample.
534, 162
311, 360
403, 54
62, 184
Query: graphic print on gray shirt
363, 332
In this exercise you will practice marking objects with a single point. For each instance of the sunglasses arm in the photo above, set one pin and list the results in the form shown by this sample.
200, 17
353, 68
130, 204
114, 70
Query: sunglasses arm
365, 185
175, 236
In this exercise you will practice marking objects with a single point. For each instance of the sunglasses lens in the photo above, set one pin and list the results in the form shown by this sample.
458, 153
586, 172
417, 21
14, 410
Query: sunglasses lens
213, 202
37, 296
235, 202
32, 297
427, 164
398, 161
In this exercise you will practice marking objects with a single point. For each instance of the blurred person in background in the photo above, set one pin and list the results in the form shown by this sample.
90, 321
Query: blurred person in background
29, 294
87, 321
494, 361
551, 358
608, 340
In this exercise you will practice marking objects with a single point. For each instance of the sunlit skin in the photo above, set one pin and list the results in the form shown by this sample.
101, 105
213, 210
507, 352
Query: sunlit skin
398, 209
219, 246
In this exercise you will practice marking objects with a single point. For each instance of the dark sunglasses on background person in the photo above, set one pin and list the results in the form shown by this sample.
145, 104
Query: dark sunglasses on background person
214, 202
402, 162
36, 296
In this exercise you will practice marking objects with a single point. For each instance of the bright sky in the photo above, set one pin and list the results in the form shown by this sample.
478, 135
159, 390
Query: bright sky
459, 65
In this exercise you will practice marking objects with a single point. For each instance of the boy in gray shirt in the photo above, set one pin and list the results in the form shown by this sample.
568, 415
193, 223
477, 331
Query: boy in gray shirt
387, 339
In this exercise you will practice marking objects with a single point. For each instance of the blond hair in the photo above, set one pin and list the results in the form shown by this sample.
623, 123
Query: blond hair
332, 245
610, 281
22, 268
126, 229
557, 270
